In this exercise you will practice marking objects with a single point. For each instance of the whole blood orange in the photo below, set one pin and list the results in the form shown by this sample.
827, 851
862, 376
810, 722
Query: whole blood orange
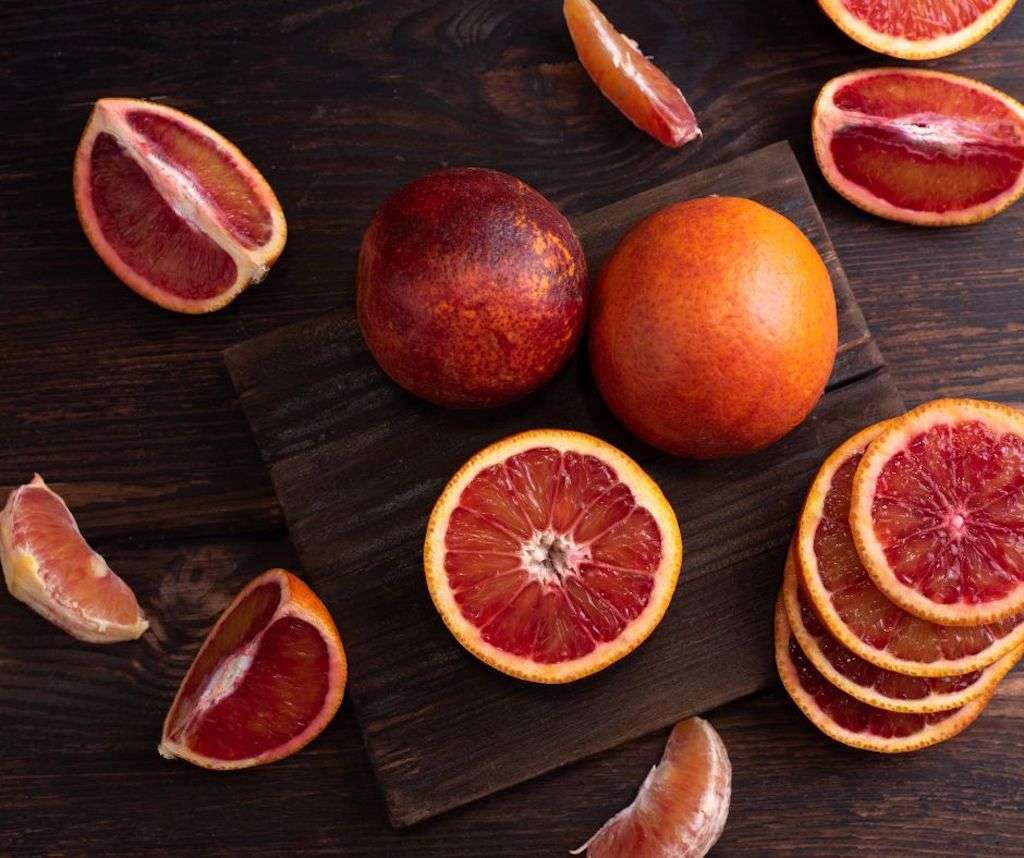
266, 681
917, 29
683, 803
713, 328
920, 146
471, 289
551, 554
172, 207
937, 511
49, 566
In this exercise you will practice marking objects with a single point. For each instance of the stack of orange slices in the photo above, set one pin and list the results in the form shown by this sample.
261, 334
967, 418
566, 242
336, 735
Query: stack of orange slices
902, 604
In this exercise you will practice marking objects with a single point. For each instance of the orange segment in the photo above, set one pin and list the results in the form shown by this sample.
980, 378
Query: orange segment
551, 554
855, 611
682, 805
848, 720
627, 78
917, 29
172, 207
267, 680
937, 512
50, 567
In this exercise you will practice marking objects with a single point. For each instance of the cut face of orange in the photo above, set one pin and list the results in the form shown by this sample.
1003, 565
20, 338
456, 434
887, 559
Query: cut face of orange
681, 808
848, 720
267, 680
629, 80
551, 554
937, 511
875, 685
917, 29
49, 566
852, 607
172, 207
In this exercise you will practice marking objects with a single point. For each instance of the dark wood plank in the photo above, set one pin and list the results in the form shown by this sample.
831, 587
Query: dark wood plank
327, 420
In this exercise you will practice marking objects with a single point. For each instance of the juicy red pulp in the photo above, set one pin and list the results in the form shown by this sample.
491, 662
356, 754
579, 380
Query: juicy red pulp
258, 683
550, 555
918, 20
949, 513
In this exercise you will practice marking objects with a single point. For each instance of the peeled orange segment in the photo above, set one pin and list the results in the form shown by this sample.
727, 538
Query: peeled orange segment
917, 29
937, 512
922, 147
174, 209
50, 567
629, 80
682, 805
852, 607
875, 685
848, 720
551, 554
267, 680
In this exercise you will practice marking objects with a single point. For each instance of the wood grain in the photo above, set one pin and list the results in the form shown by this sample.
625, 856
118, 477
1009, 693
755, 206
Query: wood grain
129, 408
327, 420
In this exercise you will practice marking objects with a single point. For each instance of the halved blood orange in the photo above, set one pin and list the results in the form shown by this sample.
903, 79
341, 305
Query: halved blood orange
629, 80
922, 147
50, 567
917, 29
852, 607
937, 511
551, 554
848, 720
266, 681
172, 207
875, 685
682, 805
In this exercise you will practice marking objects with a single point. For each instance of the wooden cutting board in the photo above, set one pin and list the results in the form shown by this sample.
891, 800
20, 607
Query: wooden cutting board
357, 465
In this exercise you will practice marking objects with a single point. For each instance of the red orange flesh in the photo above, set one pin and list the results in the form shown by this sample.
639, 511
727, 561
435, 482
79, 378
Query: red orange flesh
172, 207
267, 680
629, 80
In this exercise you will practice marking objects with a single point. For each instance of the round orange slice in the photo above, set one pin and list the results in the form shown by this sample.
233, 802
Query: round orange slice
917, 29
848, 720
856, 612
875, 685
266, 681
172, 207
50, 567
937, 511
551, 554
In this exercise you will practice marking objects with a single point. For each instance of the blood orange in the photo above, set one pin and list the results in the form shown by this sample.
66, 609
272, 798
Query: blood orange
922, 147
49, 566
875, 685
627, 78
848, 720
937, 511
682, 805
269, 677
174, 209
551, 554
855, 611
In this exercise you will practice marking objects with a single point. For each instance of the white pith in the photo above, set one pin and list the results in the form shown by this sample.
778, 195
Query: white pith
827, 119
645, 493
550, 557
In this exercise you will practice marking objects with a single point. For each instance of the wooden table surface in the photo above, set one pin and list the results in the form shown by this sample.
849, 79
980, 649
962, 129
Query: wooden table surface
128, 410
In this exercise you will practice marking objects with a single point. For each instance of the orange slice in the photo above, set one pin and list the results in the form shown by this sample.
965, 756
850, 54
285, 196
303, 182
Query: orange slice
917, 29
551, 554
874, 685
848, 720
856, 612
50, 567
172, 207
937, 511
629, 80
682, 805
269, 677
